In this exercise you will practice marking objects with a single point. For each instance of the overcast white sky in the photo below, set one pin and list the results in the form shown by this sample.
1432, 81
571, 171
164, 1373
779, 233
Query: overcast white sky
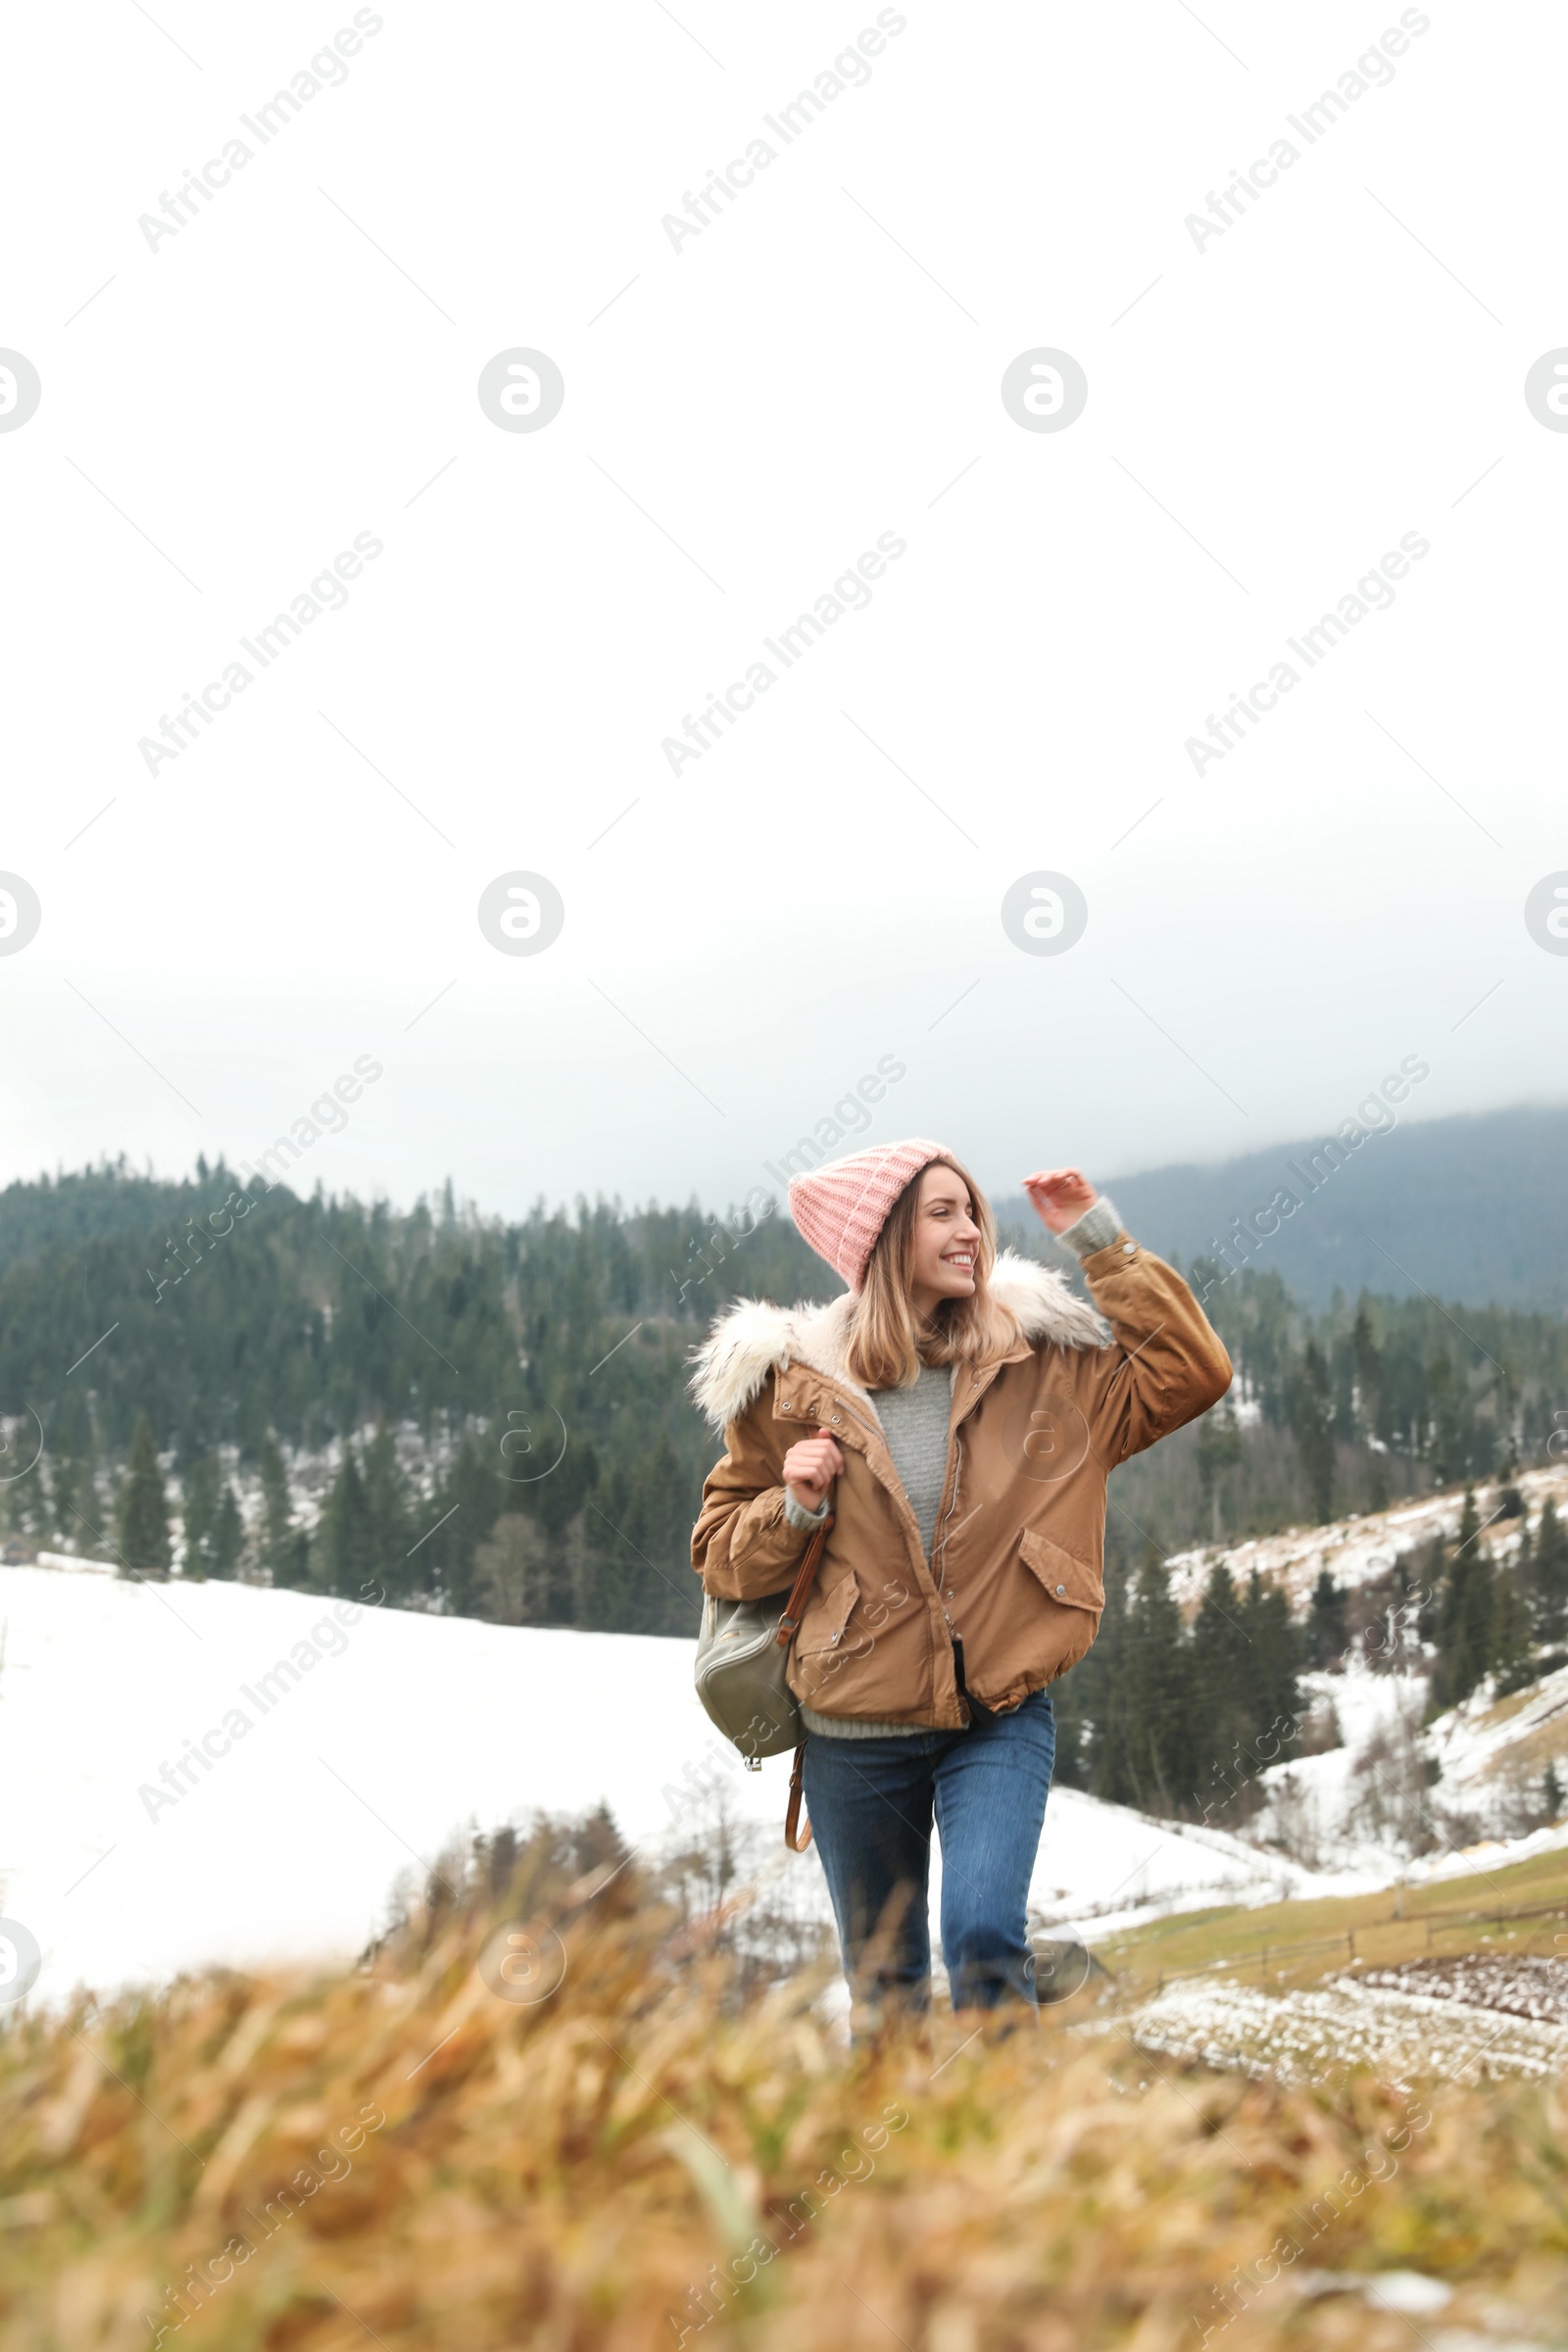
1267, 416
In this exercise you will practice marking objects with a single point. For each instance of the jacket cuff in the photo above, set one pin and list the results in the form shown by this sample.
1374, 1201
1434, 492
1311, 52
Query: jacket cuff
1096, 1229
802, 1520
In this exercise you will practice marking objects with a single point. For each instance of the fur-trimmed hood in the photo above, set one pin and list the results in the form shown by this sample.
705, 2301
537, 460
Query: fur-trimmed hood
753, 1338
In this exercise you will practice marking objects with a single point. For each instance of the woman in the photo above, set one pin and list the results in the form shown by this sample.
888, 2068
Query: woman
958, 1413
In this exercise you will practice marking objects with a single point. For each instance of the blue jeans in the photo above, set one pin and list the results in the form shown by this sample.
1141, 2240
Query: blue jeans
871, 1803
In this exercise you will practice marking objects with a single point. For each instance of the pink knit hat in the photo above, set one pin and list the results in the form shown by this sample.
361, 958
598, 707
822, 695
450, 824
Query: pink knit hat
843, 1208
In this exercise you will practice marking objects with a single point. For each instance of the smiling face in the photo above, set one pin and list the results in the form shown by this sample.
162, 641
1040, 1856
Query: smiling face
945, 1242
926, 1297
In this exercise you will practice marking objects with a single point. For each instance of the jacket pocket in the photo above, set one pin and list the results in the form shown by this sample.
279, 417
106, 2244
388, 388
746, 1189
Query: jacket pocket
1076, 1595
1067, 1578
824, 1642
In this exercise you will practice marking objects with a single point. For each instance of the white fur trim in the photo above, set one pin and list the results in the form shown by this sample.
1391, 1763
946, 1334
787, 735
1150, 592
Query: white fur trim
754, 1337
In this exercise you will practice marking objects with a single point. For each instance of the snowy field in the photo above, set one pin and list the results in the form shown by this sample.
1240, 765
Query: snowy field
173, 1799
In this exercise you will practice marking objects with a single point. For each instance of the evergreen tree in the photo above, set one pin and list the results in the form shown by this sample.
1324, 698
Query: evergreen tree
73, 1502
1464, 1627
639, 1549
1377, 1484
1448, 1446
1524, 1569
1511, 1649
463, 1512
386, 1504
573, 1569
1313, 1426
1222, 1672
228, 1534
277, 1515
1090, 1703
199, 1512
1373, 1415
284, 1549
1367, 1359
1342, 1377
344, 1558
143, 1511
1431, 1588
1506, 1417
1327, 1632
1273, 1685
1551, 1573
1219, 1450
1074, 1732
1167, 1752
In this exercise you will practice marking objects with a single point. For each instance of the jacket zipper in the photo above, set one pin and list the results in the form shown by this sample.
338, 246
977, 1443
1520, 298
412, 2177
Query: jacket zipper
939, 1551
941, 1546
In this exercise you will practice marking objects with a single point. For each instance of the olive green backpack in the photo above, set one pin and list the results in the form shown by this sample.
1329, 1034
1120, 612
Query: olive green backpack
743, 1652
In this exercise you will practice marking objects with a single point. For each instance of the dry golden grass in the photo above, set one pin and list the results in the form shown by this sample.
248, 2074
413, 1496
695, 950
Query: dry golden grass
586, 2170
1522, 1906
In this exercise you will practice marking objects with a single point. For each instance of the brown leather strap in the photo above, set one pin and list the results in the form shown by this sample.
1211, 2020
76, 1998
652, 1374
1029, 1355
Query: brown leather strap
788, 1626
789, 1623
792, 1815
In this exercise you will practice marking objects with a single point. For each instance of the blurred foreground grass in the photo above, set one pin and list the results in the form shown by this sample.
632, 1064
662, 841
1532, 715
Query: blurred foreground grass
621, 2145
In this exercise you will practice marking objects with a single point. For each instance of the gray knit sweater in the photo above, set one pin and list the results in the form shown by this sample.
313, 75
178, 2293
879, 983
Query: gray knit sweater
914, 1423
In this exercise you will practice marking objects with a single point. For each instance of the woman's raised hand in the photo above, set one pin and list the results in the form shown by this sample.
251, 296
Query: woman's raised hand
810, 1466
1059, 1195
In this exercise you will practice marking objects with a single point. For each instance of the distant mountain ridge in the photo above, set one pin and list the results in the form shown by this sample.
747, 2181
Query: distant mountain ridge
1473, 1209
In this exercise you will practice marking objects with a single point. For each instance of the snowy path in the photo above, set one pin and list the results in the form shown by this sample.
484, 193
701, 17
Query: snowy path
1311, 2035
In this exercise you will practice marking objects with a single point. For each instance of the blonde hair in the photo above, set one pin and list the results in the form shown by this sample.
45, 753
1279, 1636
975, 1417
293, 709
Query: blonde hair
888, 1341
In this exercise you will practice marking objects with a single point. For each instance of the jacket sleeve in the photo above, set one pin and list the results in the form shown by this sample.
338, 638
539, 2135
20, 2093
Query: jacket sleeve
743, 1546
1166, 1364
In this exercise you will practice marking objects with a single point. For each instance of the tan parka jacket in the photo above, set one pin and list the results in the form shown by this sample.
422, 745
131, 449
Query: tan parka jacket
1016, 1564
